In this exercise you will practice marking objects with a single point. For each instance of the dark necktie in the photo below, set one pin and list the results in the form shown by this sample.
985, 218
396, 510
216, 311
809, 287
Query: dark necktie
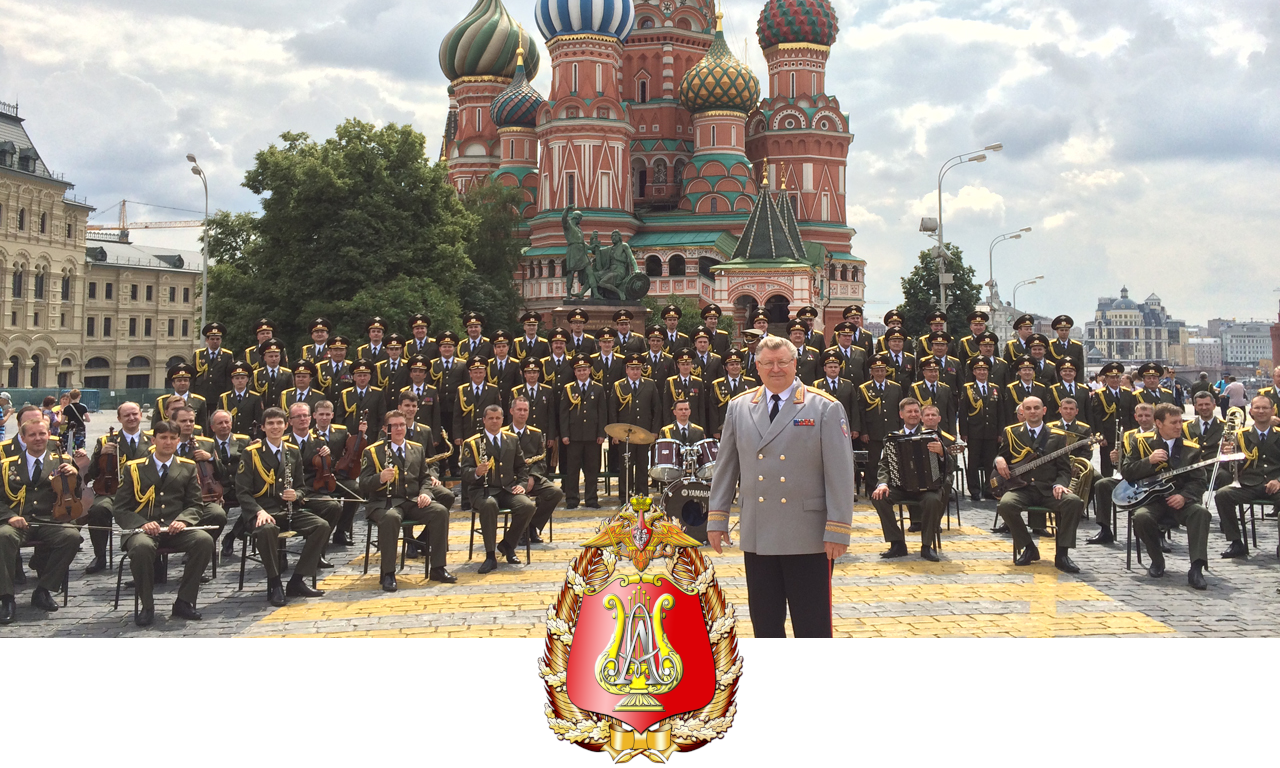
476, 390
133, 445
222, 451
36, 471
777, 405
982, 388
684, 434
1204, 428
497, 446
933, 392
276, 453
273, 377
239, 398
300, 396
582, 388
635, 387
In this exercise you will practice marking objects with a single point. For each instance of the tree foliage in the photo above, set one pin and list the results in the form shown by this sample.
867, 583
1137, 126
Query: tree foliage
920, 293
495, 252
358, 225
690, 313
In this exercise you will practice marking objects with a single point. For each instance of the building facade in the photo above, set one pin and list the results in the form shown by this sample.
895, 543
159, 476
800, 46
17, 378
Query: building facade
654, 129
1246, 343
1124, 331
76, 312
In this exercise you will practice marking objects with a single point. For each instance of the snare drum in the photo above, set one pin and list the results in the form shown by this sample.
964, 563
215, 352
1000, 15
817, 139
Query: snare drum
668, 461
707, 451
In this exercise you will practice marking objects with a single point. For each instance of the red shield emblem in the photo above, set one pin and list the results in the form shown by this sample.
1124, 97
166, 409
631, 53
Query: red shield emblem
641, 652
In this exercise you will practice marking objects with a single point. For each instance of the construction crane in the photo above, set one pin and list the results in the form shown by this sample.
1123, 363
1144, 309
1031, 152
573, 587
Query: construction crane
125, 225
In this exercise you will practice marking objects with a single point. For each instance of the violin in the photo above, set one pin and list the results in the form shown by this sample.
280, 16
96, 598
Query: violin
325, 479
349, 465
108, 480
66, 503
210, 488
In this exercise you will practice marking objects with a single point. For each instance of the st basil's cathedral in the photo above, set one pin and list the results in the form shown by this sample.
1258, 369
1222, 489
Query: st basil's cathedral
654, 128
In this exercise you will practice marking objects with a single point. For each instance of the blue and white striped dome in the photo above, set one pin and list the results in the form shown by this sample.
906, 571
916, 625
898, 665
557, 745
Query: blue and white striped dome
613, 18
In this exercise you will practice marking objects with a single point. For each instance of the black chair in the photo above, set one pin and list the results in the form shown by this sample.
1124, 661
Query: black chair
1252, 507
506, 525
162, 555
1133, 544
249, 551
904, 516
371, 544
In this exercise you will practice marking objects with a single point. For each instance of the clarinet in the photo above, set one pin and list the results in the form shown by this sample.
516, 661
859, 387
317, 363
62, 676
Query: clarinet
388, 461
480, 459
287, 474
1119, 447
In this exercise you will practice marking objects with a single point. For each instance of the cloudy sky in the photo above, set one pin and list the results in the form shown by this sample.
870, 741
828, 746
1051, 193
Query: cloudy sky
1142, 138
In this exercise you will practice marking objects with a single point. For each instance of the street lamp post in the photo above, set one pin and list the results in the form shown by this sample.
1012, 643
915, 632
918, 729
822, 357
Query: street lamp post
991, 275
204, 269
1032, 281
977, 156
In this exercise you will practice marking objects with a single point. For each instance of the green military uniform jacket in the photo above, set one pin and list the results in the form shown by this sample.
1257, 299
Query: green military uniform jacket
1058, 392
557, 372
429, 404
267, 389
312, 397
391, 376
250, 355
508, 469
309, 352
943, 397
353, 406
1105, 407
606, 374
1072, 350
1262, 464
677, 389
213, 372
28, 497
641, 407
467, 348
503, 376
1017, 447
582, 415
722, 391
537, 349
412, 476
1210, 440
468, 409
844, 392
428, 348
533, 447
193, 400
1046, 372
1014, 393
672, 346
246, 414
542, 407
334, 377
879, 411
672, 432
714, 368
123, 454
1013, 349
365, 352
1160, 395
1082, 431
144, 497
853, 365
980, 417
260, 477
903, 372
661, 370
1190, 485
807, 366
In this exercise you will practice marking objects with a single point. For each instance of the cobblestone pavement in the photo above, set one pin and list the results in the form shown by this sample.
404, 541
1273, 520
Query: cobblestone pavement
975, 591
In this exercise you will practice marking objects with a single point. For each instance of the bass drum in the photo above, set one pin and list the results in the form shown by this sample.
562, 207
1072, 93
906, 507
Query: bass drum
686, 500
668, 461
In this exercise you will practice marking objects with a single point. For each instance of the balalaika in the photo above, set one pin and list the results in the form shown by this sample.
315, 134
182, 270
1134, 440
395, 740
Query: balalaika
1129, 495
912, 466
1000, 486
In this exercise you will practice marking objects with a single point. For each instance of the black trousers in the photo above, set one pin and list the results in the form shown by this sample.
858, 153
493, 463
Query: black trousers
982, 455
799, 583
581, 456
874, 448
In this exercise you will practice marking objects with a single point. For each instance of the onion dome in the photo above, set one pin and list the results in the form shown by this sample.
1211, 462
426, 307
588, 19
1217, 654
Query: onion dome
485, 43
797, 21
719, 81
613, 18
518, 104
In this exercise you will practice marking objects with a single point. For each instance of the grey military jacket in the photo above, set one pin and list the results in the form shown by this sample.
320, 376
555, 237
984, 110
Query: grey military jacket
794, 475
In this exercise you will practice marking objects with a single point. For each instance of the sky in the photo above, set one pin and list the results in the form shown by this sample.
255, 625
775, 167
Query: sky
1142, 138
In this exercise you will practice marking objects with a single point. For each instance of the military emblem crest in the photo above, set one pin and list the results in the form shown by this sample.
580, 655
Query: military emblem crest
640, 660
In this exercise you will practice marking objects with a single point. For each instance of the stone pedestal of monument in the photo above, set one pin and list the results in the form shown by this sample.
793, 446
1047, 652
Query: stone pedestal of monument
600, 312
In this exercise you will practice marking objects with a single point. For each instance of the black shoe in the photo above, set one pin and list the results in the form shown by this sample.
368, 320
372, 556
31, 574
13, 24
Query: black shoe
534, 538
184, 610
1166, 547
275, 592
1235, 549
8, 609
389, 582
1156, 569
524, 539
340, 539
41, 599
1195, 578
324, 563
490, 564
413, 550
593, 504
145, 616
571, 505
975, 497
205, 578
929, 553
896, 549
1001, 528
20, 576
228, 546
1062, 561
913, 528
1029, 555
1103, 536
509, 551
442, 575
298, 587
97, 565
1040, 532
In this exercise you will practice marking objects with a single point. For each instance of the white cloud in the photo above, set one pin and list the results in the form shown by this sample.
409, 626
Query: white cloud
919, 118
1057, 219
1087, 151
859, 217
1095, 179
1231, 37
969, 198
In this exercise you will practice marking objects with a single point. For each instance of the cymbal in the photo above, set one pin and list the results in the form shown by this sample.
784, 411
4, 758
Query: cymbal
629, 432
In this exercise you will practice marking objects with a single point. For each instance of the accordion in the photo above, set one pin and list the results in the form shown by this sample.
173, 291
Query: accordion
912, 466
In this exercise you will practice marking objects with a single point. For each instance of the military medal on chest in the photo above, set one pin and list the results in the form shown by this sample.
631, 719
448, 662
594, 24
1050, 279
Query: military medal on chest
640, 662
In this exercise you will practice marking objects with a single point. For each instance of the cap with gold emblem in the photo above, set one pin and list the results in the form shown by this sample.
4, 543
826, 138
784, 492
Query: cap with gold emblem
394, 341
807, 313
671, 310
684, 356
939, 336
893, 317
320, 323
881, 360
1037, 340
581, 361
701, 332
578, 316
530, 317
752, 335
213, 328
979, 362
832, 356
448, 337
530, 364
558, 334
978, 316
930, 363
275, 345
654, 331
501, 337
1110, 368
1065, 365
759, 314
376, 323
623, 314
1025, 361
305, 367
635, 358
419, 363
1063, 321
241, 368
477, 362
419, 320
987, 337
936, 316
362, 366
264, 324
337, 342
1024, 321
851, 310
1150, 369
894, 333
710, 310
472, 318
845, 327
182, 371
734, 356
607, 333
797, 325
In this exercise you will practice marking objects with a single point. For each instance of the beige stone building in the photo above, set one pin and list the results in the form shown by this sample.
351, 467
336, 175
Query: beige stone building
76, 312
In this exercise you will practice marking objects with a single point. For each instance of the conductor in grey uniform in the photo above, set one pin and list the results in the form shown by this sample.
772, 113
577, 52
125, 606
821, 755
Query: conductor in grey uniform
785, 448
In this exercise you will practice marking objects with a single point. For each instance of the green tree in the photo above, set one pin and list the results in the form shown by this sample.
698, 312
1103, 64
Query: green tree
920, 294
690, 313
495, 252
356, 226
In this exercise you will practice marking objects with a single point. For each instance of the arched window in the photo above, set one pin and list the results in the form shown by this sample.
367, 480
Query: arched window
139, 362
679, 172
13, 372
653, 266
642, 91
659, 171
39, 283
715, 205
844, 273
17, 282
778, 307
683, 24
675, 266
101, 362
44, 223
646, 23
66, 362
22, 219
831, 272
35, 371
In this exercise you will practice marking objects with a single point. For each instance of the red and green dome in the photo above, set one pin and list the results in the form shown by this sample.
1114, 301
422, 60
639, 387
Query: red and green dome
797, 21
719, 81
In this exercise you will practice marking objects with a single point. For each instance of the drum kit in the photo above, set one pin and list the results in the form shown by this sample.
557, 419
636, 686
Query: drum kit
686, 471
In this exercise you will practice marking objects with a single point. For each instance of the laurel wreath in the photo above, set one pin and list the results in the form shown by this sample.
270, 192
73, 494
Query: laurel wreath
690, 731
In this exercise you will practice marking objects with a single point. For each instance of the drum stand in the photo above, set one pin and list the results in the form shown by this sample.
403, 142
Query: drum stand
626, 475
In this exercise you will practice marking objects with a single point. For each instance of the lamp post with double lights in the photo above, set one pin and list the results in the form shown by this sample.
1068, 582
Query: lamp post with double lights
204, 269
991, 275
932, 225
1031, 281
